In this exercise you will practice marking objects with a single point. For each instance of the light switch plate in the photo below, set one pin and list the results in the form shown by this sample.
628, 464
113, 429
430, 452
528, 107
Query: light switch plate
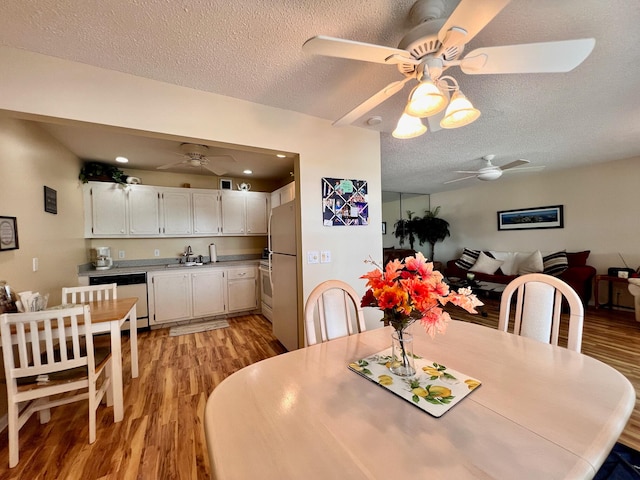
325, 256
120, 253
313, 257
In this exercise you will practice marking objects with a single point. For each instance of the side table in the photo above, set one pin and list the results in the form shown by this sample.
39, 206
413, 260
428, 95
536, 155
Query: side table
610, 280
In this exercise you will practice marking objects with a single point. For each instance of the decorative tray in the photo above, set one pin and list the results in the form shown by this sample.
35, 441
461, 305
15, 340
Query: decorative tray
434, 388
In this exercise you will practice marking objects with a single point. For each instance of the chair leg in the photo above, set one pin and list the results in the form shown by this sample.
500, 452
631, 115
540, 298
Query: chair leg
44, 415
107, 374
12, 418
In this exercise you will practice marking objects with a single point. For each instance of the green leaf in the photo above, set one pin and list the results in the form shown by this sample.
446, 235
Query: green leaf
366, 371
415, 398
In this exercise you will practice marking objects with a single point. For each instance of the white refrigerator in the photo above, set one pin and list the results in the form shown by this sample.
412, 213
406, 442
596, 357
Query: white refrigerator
284, 278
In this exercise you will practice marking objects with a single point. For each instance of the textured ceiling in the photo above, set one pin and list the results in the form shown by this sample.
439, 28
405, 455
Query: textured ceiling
252, 50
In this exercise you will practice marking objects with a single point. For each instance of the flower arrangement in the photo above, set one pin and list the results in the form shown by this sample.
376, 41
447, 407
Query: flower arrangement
410, 289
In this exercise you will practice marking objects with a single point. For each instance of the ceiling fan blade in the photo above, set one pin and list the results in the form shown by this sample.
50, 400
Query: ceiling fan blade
372, 102
469, 171
218, 170
515, 163
545, 57
366, 52
169, 165
537, 168
469, 17
460, 179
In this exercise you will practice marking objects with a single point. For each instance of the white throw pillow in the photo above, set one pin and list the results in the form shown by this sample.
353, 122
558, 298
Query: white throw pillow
509, 259
486, 264
531, 264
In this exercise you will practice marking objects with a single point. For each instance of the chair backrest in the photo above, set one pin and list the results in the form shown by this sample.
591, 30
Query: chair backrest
333, 304
44, 342
89, 293
538, 310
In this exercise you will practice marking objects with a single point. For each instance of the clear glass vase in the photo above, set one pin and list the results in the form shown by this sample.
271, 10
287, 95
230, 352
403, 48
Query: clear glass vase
402, 359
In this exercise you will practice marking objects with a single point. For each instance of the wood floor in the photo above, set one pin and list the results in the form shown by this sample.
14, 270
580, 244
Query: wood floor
161, 436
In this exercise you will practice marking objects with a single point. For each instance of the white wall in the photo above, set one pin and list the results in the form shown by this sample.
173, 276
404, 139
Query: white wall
601, 213
29, 160
51, 87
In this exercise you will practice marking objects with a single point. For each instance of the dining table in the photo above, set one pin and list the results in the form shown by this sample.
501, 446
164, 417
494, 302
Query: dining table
540, 412
108, 316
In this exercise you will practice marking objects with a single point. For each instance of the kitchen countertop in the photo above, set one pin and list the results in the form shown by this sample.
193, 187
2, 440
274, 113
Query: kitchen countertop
142, 266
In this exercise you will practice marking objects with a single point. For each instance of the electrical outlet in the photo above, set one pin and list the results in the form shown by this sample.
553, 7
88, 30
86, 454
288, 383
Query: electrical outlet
325, 256
120, 253
313, 257
156, 252
35, 264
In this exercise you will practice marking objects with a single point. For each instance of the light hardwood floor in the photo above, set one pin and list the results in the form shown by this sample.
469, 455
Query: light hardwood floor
161, 436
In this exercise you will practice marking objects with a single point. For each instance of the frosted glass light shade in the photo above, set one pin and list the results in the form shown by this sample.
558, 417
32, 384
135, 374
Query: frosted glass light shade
460, 112
409, 127
425, 100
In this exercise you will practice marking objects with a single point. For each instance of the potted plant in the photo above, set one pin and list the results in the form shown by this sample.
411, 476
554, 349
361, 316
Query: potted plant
405, 229
101, 172
431, 229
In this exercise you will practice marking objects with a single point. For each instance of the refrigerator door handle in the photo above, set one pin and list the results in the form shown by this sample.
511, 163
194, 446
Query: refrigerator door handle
269, 237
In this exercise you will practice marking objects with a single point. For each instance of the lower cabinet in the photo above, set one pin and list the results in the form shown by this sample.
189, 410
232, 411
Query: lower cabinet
194, 293
242, 286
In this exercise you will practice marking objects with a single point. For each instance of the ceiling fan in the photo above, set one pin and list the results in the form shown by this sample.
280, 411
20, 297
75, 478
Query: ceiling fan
436, 44
493, 172
196, 157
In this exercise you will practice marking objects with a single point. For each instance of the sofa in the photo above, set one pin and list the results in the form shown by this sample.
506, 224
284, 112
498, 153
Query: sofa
502, 267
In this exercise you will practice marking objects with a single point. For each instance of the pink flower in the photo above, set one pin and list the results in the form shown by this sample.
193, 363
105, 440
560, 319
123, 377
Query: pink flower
410, 289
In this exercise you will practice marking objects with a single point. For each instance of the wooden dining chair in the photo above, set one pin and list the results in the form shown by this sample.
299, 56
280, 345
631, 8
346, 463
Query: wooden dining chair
333, 308
89, 293
538, 309
47, 355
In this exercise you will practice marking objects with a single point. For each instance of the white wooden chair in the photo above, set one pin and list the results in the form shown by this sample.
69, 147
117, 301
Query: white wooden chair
539, 307
333, 304
46, 354
89, 293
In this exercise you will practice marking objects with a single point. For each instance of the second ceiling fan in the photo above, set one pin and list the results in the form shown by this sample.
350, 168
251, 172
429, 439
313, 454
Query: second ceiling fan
493, 172
436, 44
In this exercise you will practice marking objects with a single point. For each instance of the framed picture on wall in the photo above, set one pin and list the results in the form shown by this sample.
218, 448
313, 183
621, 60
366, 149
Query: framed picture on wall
384, 228
226, 184
8, 233
531, 218
50, 200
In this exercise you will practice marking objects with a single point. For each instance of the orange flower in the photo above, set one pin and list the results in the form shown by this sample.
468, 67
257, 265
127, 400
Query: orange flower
410, 289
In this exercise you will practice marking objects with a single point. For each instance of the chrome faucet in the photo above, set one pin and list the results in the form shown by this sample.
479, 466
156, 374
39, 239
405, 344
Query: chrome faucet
187, 253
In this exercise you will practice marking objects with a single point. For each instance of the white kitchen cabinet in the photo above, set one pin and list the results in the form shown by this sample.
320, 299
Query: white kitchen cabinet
176, 212
244, 213
196, 292
206, 212
208, 292
105, 206
144, 211
242, 289
283, 194
170, 295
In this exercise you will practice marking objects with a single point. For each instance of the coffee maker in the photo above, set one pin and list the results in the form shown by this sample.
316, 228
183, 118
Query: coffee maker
101, 258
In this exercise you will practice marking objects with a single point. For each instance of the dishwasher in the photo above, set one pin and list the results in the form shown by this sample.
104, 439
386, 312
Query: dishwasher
129, 285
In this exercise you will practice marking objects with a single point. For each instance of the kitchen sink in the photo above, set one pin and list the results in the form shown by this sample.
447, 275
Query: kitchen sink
187, 264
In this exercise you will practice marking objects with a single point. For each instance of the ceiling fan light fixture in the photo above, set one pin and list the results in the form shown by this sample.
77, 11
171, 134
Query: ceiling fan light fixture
489, 175
409, 127
425, 100
460, 112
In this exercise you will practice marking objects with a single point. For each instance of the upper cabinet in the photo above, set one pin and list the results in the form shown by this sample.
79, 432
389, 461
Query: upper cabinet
244, 213
144, 213
113, 210
284, 194
206, 212
105, 210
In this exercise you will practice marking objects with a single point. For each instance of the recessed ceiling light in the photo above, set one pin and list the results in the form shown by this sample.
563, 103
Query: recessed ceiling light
122, 160
247, 171
281, 155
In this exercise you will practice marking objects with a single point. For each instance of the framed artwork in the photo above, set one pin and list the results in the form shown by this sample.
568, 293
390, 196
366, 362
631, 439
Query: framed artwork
50, 200
226, 184
344, 202
531, 218
384, 228
8, 233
